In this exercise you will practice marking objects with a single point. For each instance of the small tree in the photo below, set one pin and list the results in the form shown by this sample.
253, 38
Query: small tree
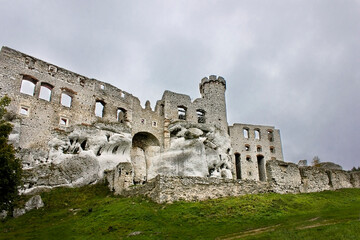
316, 161
10, 166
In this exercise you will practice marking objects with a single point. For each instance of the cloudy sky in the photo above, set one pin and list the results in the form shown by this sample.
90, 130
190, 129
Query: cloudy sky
294, 65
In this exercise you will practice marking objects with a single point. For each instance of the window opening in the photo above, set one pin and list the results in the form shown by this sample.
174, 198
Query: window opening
66, 100
99, 109
261, 168
238, 166
246, 133
102, 87
181, 112
259, 149
270, 135
24, 111
272, 149
45, 92
247, 147
83, 145
121, 115
28, 86
201, 116
248, 158
257, 134
64, 121
154, 124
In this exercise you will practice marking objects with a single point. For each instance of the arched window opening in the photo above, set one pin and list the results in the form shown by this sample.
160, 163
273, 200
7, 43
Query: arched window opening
257, 134
270, 135
28, 85
121, 115
259, 148
246, 132
238, 166
45, 92
248, 158
201, 116
247, 147
66, 100
272, 149
182, 112
99, 108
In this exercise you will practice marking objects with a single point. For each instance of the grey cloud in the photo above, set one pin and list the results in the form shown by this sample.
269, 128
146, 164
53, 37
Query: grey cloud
292, 64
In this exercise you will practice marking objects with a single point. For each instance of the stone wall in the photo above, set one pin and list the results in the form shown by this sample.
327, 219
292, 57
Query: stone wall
254, 150
166, 189
282, 178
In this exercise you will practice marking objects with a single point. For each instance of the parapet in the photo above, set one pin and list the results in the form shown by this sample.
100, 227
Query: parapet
212, 78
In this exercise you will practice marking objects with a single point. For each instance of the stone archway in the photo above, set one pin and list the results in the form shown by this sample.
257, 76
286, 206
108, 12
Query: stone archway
144, 151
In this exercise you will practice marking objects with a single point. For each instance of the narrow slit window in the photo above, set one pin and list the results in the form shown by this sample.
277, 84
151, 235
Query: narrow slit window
45, 92
181, 112
66, 100
99, 109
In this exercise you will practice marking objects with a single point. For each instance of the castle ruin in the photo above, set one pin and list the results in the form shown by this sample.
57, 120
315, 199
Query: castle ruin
71, 130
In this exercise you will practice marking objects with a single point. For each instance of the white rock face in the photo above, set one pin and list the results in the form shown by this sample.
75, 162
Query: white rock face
79, 157
18, 212
195, 150
34, 202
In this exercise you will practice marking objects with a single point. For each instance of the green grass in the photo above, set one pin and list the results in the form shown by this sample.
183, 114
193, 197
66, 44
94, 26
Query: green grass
93, 213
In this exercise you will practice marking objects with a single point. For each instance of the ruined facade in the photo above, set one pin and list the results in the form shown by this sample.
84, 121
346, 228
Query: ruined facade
71, 130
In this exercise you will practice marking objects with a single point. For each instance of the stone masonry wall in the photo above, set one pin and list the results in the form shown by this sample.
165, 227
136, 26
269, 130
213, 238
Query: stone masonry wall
282, 178
252, 148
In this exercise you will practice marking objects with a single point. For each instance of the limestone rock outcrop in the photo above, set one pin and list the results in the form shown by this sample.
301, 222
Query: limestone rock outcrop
77, 157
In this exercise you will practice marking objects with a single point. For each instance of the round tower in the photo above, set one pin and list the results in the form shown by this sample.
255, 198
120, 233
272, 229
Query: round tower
212, 90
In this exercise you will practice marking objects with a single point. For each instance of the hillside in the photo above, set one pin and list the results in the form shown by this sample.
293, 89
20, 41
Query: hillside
94, 213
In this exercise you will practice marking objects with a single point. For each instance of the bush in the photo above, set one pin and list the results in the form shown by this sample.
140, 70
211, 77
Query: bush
10, 166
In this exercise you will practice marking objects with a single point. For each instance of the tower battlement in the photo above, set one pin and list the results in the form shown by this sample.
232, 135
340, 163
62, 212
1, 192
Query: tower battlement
211, 79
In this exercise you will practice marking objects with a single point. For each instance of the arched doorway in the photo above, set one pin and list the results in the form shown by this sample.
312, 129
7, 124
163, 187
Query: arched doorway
238, 165
145, 149
261, 167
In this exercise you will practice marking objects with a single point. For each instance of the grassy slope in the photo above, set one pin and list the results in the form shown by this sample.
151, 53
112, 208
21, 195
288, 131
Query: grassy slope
92, 213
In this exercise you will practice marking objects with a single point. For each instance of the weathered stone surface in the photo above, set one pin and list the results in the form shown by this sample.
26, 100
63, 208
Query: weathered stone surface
339, 179
3, 214
314, 179
329, 165
284, 177
355, 179
170, 189
34, 202
302, 163
18, 212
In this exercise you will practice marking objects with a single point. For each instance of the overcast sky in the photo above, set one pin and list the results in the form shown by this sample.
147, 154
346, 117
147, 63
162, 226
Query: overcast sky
294, 65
